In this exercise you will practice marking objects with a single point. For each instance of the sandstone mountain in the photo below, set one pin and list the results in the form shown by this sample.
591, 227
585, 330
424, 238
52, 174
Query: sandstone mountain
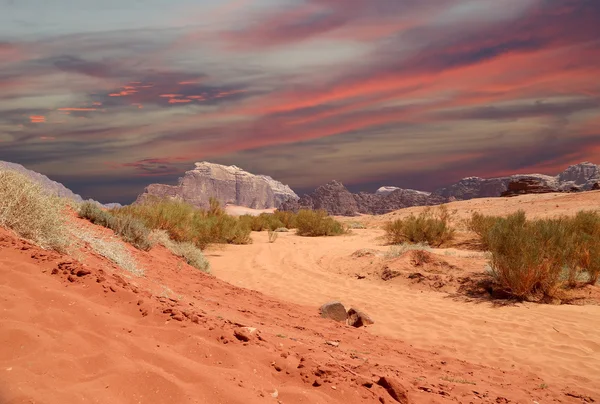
228, 184
580, 176
337, 200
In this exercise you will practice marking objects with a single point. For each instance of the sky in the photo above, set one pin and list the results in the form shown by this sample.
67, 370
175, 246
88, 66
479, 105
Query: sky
110, 96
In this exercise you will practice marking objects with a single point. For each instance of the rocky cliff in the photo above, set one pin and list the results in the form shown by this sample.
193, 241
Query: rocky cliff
581, 176
337, 200
228, 184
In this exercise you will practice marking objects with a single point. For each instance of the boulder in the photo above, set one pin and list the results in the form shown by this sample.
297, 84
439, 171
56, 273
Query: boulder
334, 311
228, 184
357, 318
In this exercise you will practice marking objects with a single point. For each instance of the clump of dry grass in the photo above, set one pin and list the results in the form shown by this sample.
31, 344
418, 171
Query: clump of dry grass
130, 229
315, 223
431, 227
189, 252
272, 236
111, 249
186, 223
537, 257
30, 212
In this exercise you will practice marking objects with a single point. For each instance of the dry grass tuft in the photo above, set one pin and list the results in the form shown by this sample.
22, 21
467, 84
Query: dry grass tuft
113, 250
189, 252
30, 212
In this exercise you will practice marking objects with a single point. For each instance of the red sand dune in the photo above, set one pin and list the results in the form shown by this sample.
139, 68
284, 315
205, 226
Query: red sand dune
89, 332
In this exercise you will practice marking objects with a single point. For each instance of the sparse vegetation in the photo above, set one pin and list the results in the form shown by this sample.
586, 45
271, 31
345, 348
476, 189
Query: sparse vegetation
537, 257
130, 229
430, 226
356, 225
189, 252
186, 223
30, 212
111, 249
315, 223
272, 236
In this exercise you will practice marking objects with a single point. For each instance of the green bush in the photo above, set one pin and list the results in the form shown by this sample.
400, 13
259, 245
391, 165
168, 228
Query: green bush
287, 219
429, 227
30, 212
129, 228
186, 223
537, 257
481, 224
264, 221
315, 223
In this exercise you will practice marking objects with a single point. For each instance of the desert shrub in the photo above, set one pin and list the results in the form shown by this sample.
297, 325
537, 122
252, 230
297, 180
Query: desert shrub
272, 236
129, 228
188, 251
584, 246
186, 223
264, 221
527, 257
431, 227
481, 224
314, 223
30, 212
530, 257
287, 219
356, 225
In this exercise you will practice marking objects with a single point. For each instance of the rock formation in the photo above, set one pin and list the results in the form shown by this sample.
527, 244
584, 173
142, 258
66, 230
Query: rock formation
228, 184
337, 200
580, 176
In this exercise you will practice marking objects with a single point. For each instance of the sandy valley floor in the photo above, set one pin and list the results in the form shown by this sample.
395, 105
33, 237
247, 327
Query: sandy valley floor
85, 331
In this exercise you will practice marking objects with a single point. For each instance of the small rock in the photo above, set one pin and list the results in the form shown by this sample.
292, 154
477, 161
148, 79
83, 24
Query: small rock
55, 271
242, 334
275, 394
357, 318
334, 311
83, 272
395, 389
178, 317
113, 289
333, 343
71, 278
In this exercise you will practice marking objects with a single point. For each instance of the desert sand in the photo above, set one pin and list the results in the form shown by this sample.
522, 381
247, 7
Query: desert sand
80, 329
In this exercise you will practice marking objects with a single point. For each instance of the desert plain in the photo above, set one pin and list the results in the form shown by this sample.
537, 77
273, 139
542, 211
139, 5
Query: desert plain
78, 328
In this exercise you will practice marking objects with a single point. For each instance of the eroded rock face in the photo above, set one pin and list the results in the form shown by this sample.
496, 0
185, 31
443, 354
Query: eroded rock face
337, 200
228, 184
528, 186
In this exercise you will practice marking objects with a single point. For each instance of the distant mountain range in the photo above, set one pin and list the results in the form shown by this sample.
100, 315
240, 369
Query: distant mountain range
232, 185
337, 200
